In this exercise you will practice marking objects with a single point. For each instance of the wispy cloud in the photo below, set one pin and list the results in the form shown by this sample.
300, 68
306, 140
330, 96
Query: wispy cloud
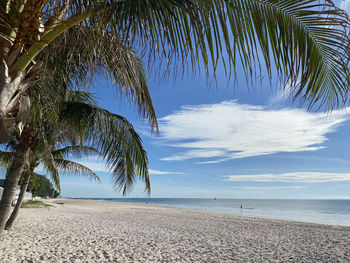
97, 165
228, 130
345, 4
281, 95
269, 187
156, 172
301, 177
94, 163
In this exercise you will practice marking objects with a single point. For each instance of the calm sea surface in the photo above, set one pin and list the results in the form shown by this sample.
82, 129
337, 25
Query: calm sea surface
321, 211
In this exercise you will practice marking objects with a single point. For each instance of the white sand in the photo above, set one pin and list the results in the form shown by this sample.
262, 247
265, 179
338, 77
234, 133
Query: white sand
92, 231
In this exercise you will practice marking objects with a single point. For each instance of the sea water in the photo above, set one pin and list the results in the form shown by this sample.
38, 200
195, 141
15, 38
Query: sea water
316, 211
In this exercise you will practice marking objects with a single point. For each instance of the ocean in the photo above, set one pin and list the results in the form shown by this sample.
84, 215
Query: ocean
316, 211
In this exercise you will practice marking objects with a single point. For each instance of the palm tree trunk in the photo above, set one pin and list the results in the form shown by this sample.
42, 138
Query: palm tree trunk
26, 177
12, 177
8, 87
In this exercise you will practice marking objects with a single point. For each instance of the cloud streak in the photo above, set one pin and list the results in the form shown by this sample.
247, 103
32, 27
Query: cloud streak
345, 4
156, 172
267, 188
301, 177
229, 130
99, 166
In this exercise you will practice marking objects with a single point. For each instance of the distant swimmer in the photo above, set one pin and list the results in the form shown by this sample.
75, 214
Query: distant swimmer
241, 207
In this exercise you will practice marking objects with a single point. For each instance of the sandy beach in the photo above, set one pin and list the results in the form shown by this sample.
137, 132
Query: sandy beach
93, 231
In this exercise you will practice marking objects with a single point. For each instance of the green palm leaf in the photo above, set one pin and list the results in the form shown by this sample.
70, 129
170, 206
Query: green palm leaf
74, 151
305, 40
5, 158
115, 139
97, 55
75, 168
48, 160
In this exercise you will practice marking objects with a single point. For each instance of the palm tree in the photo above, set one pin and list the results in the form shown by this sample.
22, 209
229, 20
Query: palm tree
70, 70
306, 40
96, 131
52, 160
114, 138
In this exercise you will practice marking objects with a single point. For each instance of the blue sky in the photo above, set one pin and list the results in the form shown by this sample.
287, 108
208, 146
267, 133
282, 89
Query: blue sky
230, 141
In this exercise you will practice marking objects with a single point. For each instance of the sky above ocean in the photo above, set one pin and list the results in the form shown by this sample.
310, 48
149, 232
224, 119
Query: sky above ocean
230, 139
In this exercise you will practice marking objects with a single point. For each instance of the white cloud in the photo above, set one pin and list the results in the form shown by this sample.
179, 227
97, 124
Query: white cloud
345, 4
229, 130
302, 177
269, 187
156, 172
281, 95
92, 163
97, 165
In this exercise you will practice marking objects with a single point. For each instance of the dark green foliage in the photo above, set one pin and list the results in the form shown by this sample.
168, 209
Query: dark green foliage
305, 40
40, 186
115, 139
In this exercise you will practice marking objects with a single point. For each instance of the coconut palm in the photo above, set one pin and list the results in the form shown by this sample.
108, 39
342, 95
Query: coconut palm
82, 129
69, 70
39, 155
305, 40
114, 138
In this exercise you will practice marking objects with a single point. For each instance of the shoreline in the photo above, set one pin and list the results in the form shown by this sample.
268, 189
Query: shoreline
207, 211
85, 230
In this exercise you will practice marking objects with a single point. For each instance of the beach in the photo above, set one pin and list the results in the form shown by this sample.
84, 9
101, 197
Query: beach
94, 231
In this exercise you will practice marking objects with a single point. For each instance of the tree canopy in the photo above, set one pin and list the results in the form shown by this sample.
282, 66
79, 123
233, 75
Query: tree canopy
306, 41
41, 186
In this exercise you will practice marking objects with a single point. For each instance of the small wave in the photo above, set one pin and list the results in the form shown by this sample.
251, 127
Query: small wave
329, 213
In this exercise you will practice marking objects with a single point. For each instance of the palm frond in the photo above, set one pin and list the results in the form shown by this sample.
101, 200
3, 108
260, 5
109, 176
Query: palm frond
100, 54
5, 158
305, 40
74, 168
127, 161
74, 151
115, 139
48, 161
